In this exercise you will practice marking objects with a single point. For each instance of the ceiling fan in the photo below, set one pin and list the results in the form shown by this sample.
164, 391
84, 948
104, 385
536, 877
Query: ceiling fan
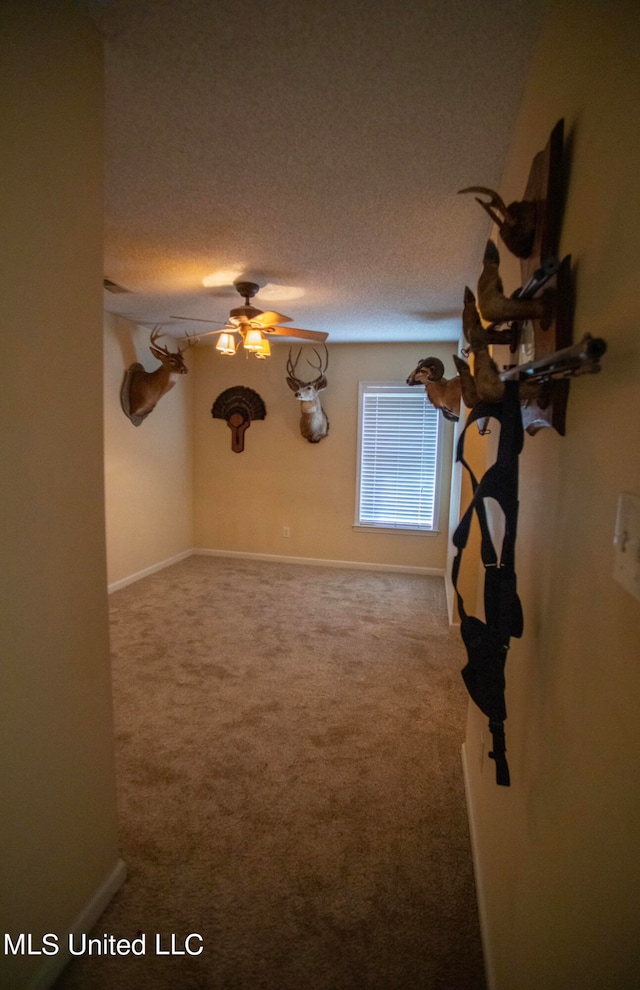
251, 323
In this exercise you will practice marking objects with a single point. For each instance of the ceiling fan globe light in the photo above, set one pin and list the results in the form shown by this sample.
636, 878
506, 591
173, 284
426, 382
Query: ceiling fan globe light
226, 343
253, 340
264, 351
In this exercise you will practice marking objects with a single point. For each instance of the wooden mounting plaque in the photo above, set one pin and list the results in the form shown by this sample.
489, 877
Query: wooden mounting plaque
545, 186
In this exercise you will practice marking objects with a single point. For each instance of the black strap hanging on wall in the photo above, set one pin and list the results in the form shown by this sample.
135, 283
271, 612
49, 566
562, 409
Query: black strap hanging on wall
487, 642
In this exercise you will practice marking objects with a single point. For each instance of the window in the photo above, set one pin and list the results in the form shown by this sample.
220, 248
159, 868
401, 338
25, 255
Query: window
398, 437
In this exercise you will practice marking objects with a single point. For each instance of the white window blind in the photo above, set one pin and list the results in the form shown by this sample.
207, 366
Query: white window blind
398, 457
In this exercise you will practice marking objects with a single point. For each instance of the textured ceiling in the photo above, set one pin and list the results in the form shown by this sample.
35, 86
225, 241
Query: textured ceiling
318, 145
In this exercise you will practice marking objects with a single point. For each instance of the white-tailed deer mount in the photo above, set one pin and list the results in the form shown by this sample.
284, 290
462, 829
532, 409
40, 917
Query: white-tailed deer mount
142, 390
314, 425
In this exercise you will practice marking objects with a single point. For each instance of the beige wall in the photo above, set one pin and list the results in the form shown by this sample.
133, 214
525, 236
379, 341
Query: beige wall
558, 852
148, 468
167, 479
243, 501
58, 841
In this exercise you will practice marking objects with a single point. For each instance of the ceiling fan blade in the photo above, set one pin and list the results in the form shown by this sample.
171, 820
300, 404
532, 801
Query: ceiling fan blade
296, 332
198, 319
205, 333
268, 319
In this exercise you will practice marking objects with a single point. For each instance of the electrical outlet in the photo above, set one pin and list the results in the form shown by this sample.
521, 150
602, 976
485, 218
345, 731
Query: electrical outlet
286, 531
626, 541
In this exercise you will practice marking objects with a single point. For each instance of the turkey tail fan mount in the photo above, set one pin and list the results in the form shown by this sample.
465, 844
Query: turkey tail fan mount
238, 405
248, 317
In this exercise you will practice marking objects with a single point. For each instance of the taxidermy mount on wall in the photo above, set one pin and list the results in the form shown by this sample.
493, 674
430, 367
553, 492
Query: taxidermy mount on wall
528, 395
516, 223
238, 405
542, 306
142, 390
314, 425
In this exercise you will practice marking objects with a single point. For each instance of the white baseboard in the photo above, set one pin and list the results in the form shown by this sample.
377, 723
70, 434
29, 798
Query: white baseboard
276, 558
117, 585
322, 562
477, 872
450, 592
49, 972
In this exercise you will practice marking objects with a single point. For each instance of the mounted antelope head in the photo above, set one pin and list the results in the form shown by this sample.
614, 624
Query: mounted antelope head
314, 424
142, 390
516, 223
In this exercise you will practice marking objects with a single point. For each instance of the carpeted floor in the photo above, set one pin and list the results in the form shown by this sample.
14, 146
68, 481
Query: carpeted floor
290, 785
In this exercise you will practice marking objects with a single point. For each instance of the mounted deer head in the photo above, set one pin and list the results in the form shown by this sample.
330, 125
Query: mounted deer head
142, 390
314, 425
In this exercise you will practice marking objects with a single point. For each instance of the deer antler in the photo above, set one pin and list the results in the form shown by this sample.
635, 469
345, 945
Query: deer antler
319, 367
157, 332
153, 340
191, 342
291, 367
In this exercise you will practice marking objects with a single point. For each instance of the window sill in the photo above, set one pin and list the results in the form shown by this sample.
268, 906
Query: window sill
400, 530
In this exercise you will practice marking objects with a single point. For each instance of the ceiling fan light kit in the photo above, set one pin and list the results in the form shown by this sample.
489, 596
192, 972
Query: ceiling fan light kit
252, 324
263, 350
226, 343
253, 340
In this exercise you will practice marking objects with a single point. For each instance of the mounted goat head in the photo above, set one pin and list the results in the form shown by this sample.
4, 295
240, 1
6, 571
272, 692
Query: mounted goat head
516, 222
142, 390
314, 424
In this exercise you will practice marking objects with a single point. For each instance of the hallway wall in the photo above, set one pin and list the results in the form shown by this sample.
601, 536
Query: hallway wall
557, 852
58, 840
